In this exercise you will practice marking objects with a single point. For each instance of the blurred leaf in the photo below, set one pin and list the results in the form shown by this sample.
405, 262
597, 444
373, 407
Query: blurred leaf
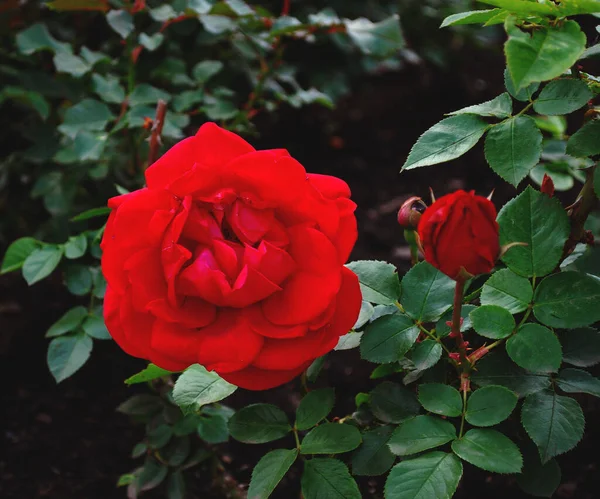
499, 107
78, 279
562, 96
41, 263
269, 471
378, 281
185, 100
89, 114
76, 246
34, 100
578, 381
147, 94
108, 88
200, 6
94, 327
331, 438
197, 387
163, 13
139, 450
490, 405
489, 450
159, 437
213, 429
581, 347
152, 474
68, 322
141, 405
537, 479
426, 292
91, 213
217, 24
76, 5
391, 403
492, 321
66, 355
440, 399
471, 17
508, 290
373, 457
17, 253
314, 407
37, 37
327, 477
382, 39
259, 423
121, 22
71, 64
176, 486
419, 434
148, 374
388, 338
584, 142
151, 42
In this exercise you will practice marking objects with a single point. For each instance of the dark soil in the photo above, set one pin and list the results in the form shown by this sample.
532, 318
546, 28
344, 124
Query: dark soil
66, 441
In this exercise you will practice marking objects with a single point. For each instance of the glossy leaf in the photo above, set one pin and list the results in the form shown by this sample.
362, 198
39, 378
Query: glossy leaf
388, 338
391, 403
426, 354
489, 450
470, 17
382, 39
508, 290
259, 423
269, 471
17, 253
66, 355
325, 478
148, 374
490, 405
584, 142
197, 387
578, 381
378, 281
68, 322
89, 114
426, 292
373, 457
562, 96
535, 348
419, 434
492, 321
331, 438
41, 263
524, 94
314, 407
499, 107
440, 399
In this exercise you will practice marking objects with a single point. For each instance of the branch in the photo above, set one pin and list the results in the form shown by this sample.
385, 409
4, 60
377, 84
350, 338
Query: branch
157, 126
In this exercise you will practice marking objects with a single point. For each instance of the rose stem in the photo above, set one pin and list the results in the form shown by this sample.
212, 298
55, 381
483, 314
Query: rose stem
456, 315
157, 126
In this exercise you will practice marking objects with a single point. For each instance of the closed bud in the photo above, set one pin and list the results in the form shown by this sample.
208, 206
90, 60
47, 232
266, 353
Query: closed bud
547, 185
410, 212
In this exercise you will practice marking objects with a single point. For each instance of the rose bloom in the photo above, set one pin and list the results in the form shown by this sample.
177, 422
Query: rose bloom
231, 258
459, 231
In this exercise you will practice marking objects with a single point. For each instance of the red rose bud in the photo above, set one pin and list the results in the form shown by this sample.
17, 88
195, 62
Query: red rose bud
460, 231
547, 185
410, 212
232, 258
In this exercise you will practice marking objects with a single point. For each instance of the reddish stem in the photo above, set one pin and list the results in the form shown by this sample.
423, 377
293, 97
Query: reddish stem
159, 121
456, 322
285, 10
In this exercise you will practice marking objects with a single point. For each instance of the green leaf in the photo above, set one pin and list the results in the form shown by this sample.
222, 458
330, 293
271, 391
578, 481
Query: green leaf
535, 348
108, 88
435, 474
147, 94
148, 374
176, 485
471, 17
326, 478
217, 25
41, 263
94, 326
489, 450
314, 407
426, 354
66, 355
159, 437
349, 340
419, 434
139, 450
597, 182
78, 279
441, 399
269, 471
186, 100
152, 475
578, 381
392, 403
490, 405
68, 322
567, 300
553, 422
151, 42
213, 429
492, 321
71, 64
581, 347
388, 338
313, 371
544, 53
383, 39
373, 457
89, 114
205, 70
524, 94
537, 479
513, 148
385, 370
94, 212
584, 142
259, 423
121, 22
426, 292
17, 253
499, 107
378, 281
446, 140
508, 290
539, 221
331, 438
37, 37
496, 368
76, 246
197, 387
141, 405
562, 96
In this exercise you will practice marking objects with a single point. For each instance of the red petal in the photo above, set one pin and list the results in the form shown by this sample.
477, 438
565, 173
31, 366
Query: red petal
331, 187
176, 342
252, 378
249, 224
259, 324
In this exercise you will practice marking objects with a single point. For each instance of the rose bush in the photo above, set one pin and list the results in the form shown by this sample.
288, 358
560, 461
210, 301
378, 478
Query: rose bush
460, 231
231, 258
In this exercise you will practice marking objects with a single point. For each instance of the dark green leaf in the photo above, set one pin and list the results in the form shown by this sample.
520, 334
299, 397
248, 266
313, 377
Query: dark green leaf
89, 114
314, 407
562, 96
553, 422
382, 39
66, 355
537, 479
159, 437
496, 368
41, 263
213, 429
446, 140
139, 450
492, 321
490, 405
567, 300
176, 486
94, 326
426, 354
388, 338
578, 381
513, 148
584, 142
269, 471
499, 107
508, 290
148, 374
581, 347
205, 70
71, 64
435, 474
217, 25
421, 433
147, 94
37, 37
539, 221
426, 292
177, 451
141, 405
197, 387
440, 399
471, 17
188, 99
17, 253
391, 403
121, 22
68, 322
373, 457
331, 438
524, 94
108, 88
489, 450
313, 371
94, 212
152, 474
535, 348
76, 246
326, 478
378, 281
259, 423
78, 279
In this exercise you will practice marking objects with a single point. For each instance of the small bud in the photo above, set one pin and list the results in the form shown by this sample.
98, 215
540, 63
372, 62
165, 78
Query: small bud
410, 212
588, 237
547, 185
454, 356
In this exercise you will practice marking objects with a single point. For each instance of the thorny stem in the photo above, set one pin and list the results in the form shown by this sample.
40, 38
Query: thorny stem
157, 126
285, 10
456, 315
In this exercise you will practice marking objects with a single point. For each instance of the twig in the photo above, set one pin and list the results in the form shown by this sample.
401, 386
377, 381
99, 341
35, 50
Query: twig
157, 126
285, 10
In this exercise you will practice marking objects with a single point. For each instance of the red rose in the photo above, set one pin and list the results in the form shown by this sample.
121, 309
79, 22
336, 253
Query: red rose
231, 258
460, 230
